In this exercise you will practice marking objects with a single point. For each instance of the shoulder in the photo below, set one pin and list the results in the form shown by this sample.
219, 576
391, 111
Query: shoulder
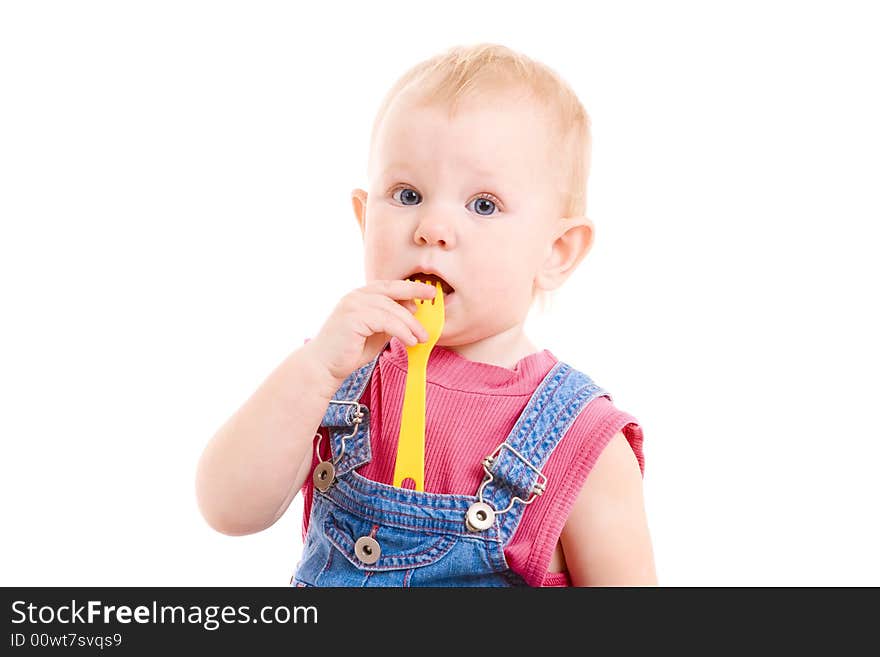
616, 471
599, 424
605, 537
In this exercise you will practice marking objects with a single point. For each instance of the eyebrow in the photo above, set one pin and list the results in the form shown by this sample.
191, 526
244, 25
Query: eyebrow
481, 173
392, 167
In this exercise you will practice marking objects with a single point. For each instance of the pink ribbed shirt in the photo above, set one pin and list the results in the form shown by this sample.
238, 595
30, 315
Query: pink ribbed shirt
470, 409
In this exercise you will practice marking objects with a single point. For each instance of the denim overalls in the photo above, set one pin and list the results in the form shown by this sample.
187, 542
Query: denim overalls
365, 533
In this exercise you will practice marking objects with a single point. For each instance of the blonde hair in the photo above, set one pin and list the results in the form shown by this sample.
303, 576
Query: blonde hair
469, 72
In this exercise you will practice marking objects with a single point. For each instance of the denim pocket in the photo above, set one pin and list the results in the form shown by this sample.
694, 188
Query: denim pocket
400, 548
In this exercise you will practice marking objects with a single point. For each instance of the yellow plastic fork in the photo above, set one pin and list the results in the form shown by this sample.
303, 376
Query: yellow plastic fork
410, 463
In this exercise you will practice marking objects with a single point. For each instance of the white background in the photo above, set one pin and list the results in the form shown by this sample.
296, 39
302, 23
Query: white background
174, 196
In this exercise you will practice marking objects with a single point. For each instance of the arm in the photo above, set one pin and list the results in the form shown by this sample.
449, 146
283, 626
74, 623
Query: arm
606, 539
257, 461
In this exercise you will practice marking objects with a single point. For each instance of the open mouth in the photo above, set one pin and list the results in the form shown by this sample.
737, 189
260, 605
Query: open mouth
432, 279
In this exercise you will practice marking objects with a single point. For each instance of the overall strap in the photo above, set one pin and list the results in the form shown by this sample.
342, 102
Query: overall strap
515, 466
348, 421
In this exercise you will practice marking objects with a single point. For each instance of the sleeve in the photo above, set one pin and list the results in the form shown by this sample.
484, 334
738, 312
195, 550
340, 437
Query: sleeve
531, 548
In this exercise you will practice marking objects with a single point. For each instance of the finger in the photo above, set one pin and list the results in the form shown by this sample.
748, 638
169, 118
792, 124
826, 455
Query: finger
402, 289
406, 316
379, 320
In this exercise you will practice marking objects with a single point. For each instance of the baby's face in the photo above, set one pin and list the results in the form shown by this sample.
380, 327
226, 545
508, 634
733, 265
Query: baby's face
474, 199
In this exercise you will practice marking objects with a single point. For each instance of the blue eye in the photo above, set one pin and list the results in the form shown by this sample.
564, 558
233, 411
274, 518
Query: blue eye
482, 203
410, 195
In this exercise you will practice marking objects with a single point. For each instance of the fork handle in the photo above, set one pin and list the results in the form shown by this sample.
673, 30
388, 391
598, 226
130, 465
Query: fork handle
410, 461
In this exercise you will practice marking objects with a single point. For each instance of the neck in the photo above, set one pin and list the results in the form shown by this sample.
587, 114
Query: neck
504, 349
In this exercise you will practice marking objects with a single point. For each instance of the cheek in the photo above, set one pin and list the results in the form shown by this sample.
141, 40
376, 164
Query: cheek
380, 248
499, 271
511, 254
508, 270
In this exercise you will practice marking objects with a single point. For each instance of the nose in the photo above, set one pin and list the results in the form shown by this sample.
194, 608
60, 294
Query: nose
434, 230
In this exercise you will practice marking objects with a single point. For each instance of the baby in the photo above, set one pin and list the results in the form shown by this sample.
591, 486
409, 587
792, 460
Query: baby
477, 177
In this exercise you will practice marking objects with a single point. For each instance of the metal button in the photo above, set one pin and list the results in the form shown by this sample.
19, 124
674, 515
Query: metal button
480, 516
367, 549
323, 476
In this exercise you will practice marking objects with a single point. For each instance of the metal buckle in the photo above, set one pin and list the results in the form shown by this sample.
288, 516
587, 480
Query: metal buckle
325, 473
356, 419
538, 489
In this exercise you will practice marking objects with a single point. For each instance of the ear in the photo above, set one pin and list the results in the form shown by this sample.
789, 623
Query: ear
359, 203
571, 242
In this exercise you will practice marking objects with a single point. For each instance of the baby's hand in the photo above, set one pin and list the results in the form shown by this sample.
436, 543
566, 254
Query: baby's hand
364, 320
